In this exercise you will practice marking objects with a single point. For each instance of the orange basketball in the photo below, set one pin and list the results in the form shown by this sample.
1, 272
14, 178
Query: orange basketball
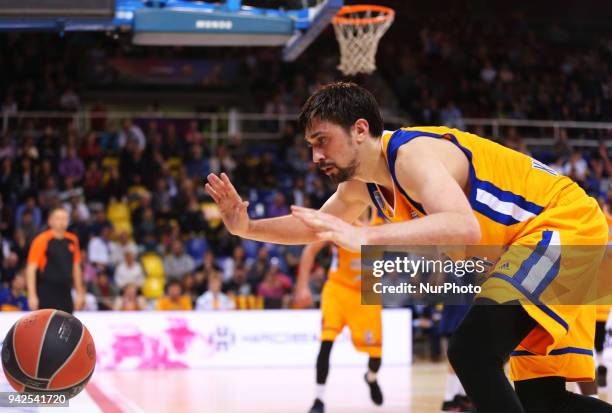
48, 351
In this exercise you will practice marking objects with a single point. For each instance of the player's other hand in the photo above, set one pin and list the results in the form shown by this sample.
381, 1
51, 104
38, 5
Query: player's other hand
330, 228
303, 297
233, 209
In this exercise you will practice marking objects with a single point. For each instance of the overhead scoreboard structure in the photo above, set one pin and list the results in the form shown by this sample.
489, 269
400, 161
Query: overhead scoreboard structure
176, 22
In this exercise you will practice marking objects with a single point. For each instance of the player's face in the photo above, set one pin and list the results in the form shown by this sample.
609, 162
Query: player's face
333, 150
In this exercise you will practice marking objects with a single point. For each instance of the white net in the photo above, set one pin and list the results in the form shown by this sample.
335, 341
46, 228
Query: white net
358, 33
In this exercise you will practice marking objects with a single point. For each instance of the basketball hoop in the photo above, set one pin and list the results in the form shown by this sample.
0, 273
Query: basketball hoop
358, 30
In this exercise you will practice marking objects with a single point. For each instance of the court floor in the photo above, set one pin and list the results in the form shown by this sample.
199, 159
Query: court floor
415, 389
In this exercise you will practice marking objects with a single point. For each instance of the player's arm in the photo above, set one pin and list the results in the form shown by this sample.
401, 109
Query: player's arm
307, 260
347, 203
77, 276
31, 286
77, 279
435, 185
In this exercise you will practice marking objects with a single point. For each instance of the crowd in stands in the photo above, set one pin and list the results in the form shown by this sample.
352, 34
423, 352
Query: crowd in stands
150, 235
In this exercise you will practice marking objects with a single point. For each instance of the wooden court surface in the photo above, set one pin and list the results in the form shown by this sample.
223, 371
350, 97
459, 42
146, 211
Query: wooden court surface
415, 389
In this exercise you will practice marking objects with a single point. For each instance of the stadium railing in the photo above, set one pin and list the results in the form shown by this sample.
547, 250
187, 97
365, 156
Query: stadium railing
262, 126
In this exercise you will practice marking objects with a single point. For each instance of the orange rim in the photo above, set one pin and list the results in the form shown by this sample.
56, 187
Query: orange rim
388, 13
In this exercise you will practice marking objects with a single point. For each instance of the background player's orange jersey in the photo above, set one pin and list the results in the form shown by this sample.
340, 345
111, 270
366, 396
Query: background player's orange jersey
345, 267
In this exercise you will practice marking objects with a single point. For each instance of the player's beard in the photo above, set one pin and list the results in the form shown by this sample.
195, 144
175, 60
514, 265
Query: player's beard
343, 174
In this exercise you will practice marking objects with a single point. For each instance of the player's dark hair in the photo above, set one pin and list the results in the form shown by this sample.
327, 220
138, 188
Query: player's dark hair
342, 103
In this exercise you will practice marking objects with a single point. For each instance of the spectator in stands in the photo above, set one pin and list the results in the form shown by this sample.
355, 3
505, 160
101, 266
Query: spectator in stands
131, 131
174, 300
279, 206
99, 249
28, 151
193, 136
267, 172
92, 183
104, 291
298, 195
10, 265
260, 266
513, 141
129, 300
275, 287
488, 72
238, 258
317, 280
50, 194
45, 170
214, 299
209, 265
222, 161
451, 116
20, 246
25, 180
129, 271
197, 166
88, 270
69, 100
72, 166
192, 220
115, 186
90, 150
318, 196
27, 226
147, 225
76, 203
35, 213
13, 298
238, 285
7, 148
200, 283
100, 221
178, 263
188, 285
8, 180
576, 167
121, 246
163, 201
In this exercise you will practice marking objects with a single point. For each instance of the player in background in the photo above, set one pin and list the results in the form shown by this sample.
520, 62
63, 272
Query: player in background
341, 306
465, 190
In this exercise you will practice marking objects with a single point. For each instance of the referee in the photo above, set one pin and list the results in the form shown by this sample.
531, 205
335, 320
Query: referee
54, 267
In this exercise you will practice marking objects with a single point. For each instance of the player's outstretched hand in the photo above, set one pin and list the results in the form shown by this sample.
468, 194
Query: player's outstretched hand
233, 209
331, 228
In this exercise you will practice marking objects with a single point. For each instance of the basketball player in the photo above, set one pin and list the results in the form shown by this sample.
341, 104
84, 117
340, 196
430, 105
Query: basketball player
465, 190
340, 307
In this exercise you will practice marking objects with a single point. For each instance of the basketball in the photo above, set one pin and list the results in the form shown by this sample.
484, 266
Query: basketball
48, 351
